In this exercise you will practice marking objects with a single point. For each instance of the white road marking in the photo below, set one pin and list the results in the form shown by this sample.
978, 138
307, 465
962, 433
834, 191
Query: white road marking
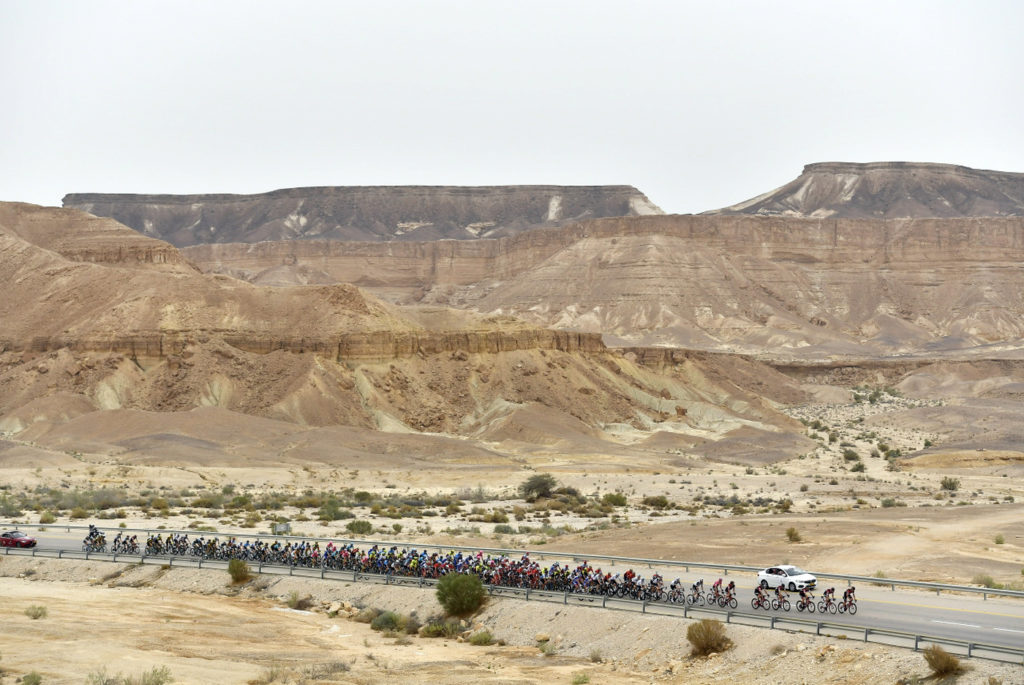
1009, 630
951, 623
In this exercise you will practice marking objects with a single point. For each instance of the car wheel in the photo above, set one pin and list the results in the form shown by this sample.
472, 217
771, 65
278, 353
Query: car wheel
792, 587
764, 584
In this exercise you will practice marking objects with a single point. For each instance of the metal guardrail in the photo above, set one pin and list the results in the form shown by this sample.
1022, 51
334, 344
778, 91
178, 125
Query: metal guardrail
907, 640
938, 588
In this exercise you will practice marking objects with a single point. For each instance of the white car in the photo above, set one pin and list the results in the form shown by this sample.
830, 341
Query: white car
791, 578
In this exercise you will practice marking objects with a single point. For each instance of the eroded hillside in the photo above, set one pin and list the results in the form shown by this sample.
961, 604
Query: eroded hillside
84, 338
782, 287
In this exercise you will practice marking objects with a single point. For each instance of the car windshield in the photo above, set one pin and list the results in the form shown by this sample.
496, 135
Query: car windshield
795, 571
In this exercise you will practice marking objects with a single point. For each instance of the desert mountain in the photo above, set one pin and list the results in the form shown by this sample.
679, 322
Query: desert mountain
890, 190
366, 213
116, 333
776, 286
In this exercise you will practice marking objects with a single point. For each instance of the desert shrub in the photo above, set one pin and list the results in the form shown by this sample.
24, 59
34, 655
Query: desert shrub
32, 678
47, 517
941, 662
460, 594
366, 615
804, 487
386, 620
504, 529
792, 534
79, 513
158, 675
859, 467
850, 455
707, 636
36, 611
481, 639
580, 679
538, 486
294, 601
332, 510
359, 527
614, 499
1000, 539
239, 571
984, 580
950, 483
656, 501
596, 656
446, 628
547, 648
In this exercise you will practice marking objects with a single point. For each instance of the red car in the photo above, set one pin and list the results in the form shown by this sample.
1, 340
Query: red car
15, 538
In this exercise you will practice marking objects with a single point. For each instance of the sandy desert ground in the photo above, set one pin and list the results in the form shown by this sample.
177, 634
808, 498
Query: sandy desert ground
129, 619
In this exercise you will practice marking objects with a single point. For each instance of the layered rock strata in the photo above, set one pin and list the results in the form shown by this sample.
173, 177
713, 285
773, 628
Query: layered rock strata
369, 213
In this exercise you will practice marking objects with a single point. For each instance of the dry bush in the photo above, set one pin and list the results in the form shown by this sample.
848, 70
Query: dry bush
941, 662
294, 601
442, 628
36, 611
239, 571
366, 615
481, 639
707, 636
792, 534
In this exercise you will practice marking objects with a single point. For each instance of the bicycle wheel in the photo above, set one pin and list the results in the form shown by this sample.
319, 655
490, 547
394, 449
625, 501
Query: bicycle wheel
733, 603
832, 607
822, 606
785, 605
754, 604
842, 608
852, 609
810, 607
776, 604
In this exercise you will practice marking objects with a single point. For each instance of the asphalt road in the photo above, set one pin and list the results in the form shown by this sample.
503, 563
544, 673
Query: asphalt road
995, 621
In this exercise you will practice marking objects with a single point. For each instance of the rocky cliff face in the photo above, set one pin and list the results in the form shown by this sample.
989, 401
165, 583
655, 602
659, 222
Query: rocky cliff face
381, 213
891, 190
763, 285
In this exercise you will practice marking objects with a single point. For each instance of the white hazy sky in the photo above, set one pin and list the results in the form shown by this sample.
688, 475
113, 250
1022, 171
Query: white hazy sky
698, 104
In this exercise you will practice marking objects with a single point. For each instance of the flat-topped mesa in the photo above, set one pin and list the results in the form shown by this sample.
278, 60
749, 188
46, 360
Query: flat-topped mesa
362, 213
891, 190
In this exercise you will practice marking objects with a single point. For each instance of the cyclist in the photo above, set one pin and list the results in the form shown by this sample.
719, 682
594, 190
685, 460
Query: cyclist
760, 596
848, 596
806, 597
730, 589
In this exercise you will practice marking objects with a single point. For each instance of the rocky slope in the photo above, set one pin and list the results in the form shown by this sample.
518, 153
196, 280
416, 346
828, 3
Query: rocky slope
80, 237
779, 286
90, 337
386, 213
890, 190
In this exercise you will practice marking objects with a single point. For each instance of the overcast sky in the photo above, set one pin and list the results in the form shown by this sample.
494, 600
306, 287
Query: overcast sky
698, 104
